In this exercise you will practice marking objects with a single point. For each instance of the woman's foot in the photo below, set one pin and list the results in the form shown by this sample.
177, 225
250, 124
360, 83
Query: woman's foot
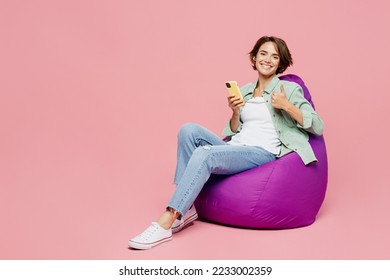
188, 218
152, 236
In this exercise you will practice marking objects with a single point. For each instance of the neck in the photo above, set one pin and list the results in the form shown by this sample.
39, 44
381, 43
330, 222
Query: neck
264, 81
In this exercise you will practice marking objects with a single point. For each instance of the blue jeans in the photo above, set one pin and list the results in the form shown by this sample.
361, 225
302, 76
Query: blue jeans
201, 153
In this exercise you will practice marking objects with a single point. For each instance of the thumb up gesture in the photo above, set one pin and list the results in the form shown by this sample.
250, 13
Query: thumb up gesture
279, 100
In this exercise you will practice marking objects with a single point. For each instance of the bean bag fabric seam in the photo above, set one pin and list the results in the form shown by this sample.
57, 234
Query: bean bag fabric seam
264, 189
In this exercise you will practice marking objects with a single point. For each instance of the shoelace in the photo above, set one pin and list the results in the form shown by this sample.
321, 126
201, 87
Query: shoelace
148, 232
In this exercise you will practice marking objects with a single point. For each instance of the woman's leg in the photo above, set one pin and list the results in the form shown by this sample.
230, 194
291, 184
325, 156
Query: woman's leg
200, 153
219, 159
190, 137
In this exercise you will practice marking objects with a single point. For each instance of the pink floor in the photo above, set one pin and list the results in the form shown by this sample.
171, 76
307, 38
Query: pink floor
92, 94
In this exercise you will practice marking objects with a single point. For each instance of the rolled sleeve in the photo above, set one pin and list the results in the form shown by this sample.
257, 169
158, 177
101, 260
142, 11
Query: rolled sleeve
307, 120
312, 122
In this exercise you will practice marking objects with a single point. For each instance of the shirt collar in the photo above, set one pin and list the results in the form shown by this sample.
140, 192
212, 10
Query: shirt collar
270, 88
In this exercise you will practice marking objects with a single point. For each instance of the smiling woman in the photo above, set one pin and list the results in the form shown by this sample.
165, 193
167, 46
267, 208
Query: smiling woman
278, 195
272, 120
271, 48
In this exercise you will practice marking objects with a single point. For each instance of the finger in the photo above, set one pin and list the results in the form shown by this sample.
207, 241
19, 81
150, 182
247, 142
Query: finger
282, 89
238, 99
236, 103
230, 101
233, 98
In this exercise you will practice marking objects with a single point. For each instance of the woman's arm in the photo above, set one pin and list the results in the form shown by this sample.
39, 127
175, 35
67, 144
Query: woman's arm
234, 122
299, 109
235, 103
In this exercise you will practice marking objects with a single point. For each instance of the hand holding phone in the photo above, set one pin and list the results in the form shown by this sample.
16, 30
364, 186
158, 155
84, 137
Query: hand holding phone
235, 98
233, 89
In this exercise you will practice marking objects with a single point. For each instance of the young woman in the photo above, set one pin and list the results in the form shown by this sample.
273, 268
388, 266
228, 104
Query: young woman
271, 121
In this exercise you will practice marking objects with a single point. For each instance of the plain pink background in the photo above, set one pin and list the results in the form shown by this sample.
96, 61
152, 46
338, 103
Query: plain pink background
94, 92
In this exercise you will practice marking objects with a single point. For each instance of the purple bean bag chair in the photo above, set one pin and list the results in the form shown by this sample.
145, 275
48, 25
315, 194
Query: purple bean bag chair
277, 195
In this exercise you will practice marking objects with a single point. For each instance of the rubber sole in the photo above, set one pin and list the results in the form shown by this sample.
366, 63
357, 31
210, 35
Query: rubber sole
145, 246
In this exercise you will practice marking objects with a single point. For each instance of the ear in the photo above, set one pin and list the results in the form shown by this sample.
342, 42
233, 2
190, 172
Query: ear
252, 60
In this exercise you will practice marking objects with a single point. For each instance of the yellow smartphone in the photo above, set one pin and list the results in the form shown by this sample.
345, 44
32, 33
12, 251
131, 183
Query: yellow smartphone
233, 89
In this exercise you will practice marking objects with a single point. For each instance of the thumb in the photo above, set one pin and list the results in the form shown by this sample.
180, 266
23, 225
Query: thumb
282, 89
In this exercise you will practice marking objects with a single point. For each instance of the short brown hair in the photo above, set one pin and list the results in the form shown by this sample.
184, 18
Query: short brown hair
281, 48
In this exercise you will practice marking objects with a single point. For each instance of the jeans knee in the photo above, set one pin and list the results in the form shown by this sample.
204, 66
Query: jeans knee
187, 130
203, 154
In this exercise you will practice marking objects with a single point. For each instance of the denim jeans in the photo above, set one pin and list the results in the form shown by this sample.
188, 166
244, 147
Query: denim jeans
201, 153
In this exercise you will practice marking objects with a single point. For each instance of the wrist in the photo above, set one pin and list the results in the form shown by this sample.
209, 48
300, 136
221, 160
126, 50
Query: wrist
287, 107
236, 114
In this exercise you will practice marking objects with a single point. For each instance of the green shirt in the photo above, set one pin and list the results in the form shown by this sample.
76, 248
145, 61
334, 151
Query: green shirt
292, 135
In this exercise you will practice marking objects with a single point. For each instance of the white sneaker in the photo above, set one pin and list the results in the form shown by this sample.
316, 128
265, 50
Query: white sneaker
152, 236
189, 217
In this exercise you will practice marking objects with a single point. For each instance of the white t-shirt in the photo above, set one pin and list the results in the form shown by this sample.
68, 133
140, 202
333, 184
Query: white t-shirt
257, 128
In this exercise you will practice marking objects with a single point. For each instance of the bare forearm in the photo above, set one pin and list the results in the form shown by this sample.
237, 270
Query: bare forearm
235, 122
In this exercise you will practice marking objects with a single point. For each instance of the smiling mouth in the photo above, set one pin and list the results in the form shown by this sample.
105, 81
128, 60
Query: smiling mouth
266, 66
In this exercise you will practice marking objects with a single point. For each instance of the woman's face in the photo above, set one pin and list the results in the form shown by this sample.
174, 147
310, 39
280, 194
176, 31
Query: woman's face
267, 59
